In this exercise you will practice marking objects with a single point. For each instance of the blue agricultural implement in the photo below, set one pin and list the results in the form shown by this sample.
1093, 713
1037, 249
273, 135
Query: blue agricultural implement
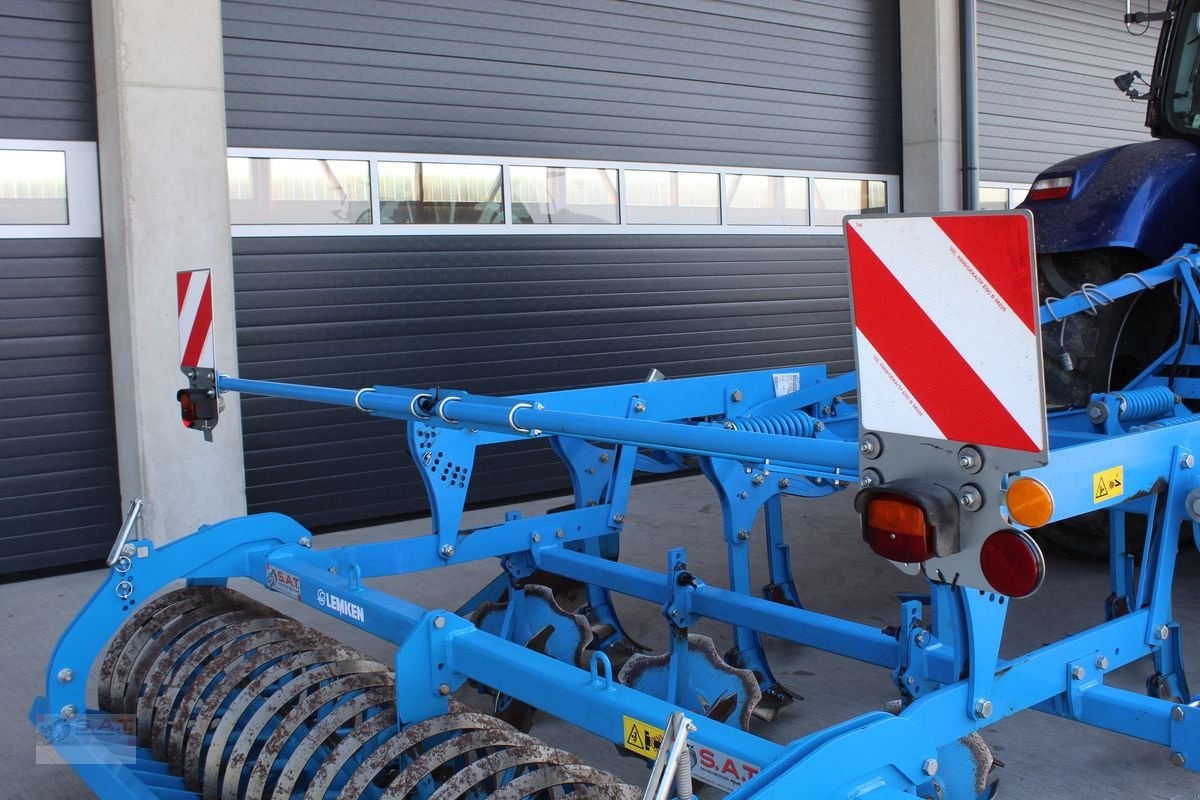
222, 696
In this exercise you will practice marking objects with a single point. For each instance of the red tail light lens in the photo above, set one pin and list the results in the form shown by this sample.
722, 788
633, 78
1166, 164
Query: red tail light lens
897, 529
187, 408
1051, 188
1012, 563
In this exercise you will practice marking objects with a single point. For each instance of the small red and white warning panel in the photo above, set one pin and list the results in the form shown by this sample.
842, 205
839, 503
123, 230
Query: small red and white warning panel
946, 327
194, 290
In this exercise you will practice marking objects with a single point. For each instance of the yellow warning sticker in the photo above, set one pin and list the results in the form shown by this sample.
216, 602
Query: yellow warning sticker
1108, 484
641, 738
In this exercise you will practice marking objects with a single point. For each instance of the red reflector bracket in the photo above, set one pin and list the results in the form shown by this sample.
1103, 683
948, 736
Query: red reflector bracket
1051, 188
1013, 563
909, 521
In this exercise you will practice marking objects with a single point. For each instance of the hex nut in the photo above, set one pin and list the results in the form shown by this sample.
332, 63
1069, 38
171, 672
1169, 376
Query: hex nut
1177, 713
1077, 673
66, 675
1177, 759
444, 689
930, 767
1102, 662
983, 708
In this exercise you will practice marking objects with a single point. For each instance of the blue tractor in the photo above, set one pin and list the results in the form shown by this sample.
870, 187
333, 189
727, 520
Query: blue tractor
1107, 213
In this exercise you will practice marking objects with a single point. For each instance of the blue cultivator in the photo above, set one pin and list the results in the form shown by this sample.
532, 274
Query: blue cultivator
220, 696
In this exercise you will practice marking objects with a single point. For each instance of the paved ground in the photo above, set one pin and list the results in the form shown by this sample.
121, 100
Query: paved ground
1045, 757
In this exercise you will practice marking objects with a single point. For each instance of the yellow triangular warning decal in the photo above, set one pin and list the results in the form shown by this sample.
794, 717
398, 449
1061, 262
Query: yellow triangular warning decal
1101, 489
635, 739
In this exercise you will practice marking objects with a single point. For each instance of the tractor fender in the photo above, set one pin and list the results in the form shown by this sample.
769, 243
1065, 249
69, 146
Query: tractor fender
1140, 196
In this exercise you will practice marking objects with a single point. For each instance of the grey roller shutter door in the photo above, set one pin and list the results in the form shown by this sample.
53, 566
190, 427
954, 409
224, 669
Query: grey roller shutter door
47, 89
59, 495
807, 85
1045, 83
500, 315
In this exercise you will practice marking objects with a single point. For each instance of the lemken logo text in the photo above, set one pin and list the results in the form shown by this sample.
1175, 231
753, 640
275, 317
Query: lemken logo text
339, 606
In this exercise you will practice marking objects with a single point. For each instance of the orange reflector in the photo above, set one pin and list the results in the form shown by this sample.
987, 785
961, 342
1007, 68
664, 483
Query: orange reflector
1029, 502
897, 529
1012, 563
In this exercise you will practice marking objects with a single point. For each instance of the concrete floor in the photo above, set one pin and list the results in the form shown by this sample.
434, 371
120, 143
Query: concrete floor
1045, 757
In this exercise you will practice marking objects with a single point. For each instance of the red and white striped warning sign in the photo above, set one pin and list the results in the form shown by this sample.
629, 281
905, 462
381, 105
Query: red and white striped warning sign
946, 328
194, 290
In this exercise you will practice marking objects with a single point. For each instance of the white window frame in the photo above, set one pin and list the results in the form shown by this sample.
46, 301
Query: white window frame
508, 227
1010, 187
83, 192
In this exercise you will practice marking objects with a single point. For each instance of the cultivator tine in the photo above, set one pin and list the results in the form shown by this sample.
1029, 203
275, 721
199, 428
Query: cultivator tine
358, 739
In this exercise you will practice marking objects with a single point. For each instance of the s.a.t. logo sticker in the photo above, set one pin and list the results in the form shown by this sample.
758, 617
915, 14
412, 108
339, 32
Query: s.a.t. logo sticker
283, 582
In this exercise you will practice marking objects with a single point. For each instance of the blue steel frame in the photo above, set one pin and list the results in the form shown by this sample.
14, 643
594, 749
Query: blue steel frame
948, 671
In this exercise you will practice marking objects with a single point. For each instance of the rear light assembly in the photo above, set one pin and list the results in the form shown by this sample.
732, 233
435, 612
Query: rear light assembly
1051, 188
1012, 562
909, 521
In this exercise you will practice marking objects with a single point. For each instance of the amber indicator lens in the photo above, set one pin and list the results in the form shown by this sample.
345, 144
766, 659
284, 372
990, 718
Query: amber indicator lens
897, 529
1029, 502
1012, 563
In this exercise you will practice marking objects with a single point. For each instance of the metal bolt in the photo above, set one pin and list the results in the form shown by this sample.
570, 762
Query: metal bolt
1188, 461
439, 622
922, 639
1077, 673
818, 480
930, 767
67, 711
749, 470
818, 425
1177, 759
128, 550
444, 689
66, 675
870, 478
639, 407
334, 569
618, 518
604, 458
674, 612
784, 483
970, 497
910, 680
447, 550
1162, 632
1102, 662
305, 541
970, 459
983, 708
590, 470
560, 533
826, 410
1177, 713
743, 495
736, 396
537, 537
427, 457
758, 480
870, 446
743, 535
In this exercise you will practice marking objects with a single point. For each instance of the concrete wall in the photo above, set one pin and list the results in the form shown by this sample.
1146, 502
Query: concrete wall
161, 113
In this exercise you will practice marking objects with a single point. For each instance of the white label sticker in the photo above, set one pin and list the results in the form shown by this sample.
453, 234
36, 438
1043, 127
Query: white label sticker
718, 769
283, 582
339, 606
786, 383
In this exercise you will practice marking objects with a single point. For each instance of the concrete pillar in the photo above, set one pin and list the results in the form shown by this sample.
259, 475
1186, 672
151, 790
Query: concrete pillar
160, 89
931, 114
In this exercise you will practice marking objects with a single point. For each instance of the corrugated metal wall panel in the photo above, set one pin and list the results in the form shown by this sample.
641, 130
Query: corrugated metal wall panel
1045, 83
809, 85
501, 315
47, 88
59, 495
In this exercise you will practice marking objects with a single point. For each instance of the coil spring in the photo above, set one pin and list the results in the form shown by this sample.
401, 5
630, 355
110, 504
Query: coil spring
1169, 422
1144, 404
783, 423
